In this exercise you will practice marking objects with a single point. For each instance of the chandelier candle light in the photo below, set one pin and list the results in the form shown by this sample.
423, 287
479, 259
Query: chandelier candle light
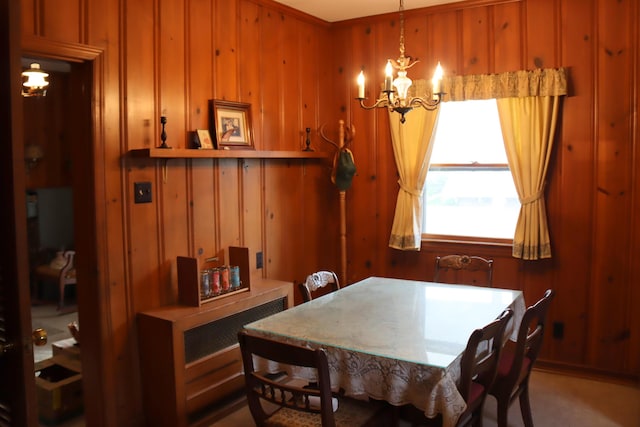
395, 91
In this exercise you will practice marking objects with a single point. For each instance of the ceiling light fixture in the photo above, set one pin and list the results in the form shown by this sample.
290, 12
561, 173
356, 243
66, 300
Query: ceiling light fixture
395, 91
35, 81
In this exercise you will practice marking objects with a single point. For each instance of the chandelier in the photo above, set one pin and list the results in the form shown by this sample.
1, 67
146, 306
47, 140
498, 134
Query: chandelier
394, 96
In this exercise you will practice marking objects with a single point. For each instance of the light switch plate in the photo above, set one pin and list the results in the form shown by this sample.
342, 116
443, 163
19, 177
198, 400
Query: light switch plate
142, 192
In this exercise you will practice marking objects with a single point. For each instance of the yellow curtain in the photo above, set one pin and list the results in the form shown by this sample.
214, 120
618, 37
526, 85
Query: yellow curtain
412, 146
528, 103
528, 126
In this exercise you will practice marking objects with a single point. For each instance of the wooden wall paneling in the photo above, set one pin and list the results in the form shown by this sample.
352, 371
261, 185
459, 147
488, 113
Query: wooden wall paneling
362, 221
199, 64
67, 137
142, 124
226, 58
29, 14
634, 277
62, 20
283, 226
272, 84
174, 213
253, 203
292, 83
251, 84
416, 40
203, 216
541, 34
229, 187
47, 124
445, 39
142, 129
203, 212
507, 46
310, 67
476, 27
250, 46
170, 54
506, 269
320, 221
570, 213
610, 272
337, 93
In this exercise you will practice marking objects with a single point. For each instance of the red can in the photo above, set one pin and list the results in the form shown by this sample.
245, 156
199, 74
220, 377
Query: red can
215, 281
224, 278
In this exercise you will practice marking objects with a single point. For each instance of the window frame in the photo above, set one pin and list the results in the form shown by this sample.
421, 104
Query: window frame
431, 237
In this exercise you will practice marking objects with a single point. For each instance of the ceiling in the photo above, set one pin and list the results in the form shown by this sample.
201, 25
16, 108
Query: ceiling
340, 10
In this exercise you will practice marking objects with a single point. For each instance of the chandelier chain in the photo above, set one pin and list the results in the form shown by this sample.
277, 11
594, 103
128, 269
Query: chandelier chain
401, 28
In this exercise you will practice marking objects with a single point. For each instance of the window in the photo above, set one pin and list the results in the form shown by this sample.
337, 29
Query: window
469, 190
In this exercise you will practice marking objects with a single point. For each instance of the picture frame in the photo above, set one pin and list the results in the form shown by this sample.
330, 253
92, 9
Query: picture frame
230, 122
204, 139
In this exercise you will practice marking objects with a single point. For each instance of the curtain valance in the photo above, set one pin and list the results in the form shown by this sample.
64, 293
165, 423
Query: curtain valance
514, 84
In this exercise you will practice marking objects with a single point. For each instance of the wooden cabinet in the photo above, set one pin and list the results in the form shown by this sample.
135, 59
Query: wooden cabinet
190, 362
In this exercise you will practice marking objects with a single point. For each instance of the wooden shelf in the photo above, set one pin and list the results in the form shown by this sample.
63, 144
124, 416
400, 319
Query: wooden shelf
188, 153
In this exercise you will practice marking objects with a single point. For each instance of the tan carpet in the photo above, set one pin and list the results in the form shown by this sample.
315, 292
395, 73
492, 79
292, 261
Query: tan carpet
556, 401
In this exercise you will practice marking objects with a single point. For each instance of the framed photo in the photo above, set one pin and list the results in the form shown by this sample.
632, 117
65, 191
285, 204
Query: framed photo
231, 124
204, 138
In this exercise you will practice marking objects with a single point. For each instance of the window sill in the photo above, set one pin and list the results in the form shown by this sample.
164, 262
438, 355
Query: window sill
433, 240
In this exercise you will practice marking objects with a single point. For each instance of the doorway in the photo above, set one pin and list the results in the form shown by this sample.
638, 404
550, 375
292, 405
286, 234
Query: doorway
54, 135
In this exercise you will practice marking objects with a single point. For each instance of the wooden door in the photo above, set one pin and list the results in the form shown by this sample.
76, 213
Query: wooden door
17, 385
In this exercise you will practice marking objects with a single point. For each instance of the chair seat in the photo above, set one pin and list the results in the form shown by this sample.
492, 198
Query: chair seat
350, 413
475, 394
507, 359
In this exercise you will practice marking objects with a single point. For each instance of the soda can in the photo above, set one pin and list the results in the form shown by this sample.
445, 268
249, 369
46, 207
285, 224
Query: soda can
234, 277
215, 281
224, 278
205, 284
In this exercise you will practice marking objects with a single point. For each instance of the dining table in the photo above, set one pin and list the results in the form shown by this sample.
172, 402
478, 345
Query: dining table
395, 340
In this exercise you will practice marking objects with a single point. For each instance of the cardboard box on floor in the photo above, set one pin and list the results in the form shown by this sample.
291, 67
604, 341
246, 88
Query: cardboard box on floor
58, 389
67, 347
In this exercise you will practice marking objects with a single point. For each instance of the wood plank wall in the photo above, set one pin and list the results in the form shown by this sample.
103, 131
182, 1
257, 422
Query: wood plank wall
167, 57
592, 192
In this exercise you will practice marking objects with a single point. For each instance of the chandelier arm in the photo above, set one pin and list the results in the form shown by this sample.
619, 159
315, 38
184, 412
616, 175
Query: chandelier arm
380, 102
425, 103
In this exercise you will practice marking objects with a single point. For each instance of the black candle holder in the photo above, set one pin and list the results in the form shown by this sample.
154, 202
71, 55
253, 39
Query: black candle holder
308, 141
163, 134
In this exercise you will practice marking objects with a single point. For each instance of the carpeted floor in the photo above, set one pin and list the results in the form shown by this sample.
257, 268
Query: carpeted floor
556, 401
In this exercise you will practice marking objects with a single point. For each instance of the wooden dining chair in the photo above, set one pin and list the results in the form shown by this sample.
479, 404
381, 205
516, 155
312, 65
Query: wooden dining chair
295, 404
67, 276
517, 359
478, 368
315, 282
464, 269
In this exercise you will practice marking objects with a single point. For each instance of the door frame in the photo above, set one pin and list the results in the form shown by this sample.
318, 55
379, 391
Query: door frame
89, 222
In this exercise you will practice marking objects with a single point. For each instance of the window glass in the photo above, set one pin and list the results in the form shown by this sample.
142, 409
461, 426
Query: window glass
469, 189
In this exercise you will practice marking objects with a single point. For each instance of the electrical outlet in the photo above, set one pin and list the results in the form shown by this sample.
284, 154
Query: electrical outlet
259, 260
142, 192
